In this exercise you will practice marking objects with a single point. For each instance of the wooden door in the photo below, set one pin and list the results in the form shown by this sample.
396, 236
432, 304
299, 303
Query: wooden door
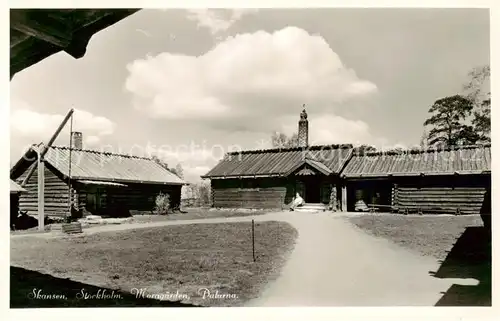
91, 202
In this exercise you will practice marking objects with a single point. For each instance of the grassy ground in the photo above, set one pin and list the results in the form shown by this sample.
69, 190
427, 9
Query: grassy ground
461, 245
190, 214
197, 213
161, 260
432, 235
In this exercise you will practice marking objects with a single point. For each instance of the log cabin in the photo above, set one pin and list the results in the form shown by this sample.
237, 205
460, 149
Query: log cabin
101, 183
271, 178
15, 191
454, 180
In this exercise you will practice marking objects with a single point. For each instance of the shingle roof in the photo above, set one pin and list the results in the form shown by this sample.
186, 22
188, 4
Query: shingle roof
15, 188
463, 160
279, 162
101, 166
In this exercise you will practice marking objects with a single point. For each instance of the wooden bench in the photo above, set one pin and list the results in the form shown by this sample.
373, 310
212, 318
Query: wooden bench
375, 207
425, 209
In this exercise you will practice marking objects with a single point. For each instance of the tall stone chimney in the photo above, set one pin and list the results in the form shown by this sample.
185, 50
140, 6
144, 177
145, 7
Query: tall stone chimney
77, 140
303, 133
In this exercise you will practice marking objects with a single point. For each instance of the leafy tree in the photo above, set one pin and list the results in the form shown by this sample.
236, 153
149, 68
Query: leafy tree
280, 140
160, 162
162, 204
204, 194
447, 121
200, 193
363, 149
478, 92
397, 150
482, 121
179, 171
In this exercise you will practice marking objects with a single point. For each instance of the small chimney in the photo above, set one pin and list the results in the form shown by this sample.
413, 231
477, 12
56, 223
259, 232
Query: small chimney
77, 140
303, 134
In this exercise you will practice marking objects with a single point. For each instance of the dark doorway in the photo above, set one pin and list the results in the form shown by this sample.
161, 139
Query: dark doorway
94, 200
371, 192
312, 190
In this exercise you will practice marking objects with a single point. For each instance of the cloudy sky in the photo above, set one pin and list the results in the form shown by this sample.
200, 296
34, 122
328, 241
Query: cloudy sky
191, 84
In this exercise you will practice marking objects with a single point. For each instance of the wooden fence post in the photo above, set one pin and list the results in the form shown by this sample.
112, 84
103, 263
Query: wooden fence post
253, 240
41, 194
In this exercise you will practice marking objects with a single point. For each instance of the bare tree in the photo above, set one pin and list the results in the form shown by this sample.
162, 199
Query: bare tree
423, 139
201, 192
478, 92
280, 140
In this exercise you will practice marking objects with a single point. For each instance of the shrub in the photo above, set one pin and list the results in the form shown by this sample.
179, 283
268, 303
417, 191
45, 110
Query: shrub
162, 204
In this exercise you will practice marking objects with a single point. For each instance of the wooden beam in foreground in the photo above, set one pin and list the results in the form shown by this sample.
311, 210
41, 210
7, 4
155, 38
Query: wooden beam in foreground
41, 194
45, 148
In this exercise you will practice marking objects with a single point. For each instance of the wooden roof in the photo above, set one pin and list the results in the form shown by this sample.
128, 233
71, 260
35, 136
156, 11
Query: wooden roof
36, 34
98, 166
328, 159
318, 166
450, 161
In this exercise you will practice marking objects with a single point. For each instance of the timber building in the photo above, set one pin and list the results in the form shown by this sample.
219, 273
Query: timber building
15, 192
101, 183
453, 180
450, 180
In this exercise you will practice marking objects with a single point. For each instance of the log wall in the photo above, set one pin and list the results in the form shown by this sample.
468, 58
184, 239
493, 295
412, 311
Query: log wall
134, 199
56, 194
453, 195
267, 193
252, 193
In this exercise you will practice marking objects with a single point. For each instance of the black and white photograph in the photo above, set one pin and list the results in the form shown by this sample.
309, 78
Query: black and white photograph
249, 157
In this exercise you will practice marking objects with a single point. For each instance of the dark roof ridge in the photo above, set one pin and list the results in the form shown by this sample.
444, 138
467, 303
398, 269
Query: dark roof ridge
425, 150
290, 149
103, 153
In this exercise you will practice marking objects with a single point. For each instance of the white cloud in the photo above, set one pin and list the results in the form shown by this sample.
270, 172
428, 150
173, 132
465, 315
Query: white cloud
92, 140
271, 71
217, 20
255, 83
29, 127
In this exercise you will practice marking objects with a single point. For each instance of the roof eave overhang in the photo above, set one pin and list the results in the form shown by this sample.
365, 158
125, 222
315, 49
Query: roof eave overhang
243, 176
36, 40
124, 181
415, 174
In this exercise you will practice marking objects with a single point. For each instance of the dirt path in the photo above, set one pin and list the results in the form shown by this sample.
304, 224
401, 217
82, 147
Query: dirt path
334, 264
129, 226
